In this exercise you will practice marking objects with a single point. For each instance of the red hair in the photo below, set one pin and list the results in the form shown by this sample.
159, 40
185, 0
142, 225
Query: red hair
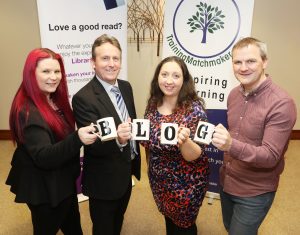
29, 91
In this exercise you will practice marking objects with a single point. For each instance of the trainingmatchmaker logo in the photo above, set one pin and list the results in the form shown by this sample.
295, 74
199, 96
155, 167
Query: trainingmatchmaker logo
203, 33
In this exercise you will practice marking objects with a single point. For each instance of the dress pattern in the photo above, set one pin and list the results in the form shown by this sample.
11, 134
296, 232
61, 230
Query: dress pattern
178, 186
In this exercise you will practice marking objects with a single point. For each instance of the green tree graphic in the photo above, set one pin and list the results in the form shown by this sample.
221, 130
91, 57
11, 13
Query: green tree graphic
206, 19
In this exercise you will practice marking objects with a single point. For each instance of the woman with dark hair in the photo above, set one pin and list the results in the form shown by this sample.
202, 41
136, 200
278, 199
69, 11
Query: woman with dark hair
46, 162
178, 174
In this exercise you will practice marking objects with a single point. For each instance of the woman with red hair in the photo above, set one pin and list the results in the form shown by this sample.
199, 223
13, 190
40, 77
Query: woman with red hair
46, 162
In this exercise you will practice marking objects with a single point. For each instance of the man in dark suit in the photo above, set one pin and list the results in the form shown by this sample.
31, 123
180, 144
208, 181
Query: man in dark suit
108, 165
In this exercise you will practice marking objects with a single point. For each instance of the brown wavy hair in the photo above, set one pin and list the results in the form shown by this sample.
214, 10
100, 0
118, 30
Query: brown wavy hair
187, 93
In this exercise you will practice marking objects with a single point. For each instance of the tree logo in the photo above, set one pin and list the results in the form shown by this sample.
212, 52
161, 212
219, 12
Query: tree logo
206, 19
204, 28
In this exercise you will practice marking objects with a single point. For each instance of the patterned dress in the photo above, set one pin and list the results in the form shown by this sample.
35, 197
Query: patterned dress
178, 186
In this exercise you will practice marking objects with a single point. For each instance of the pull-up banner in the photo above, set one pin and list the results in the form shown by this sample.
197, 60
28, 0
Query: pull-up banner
202, 33
69, 27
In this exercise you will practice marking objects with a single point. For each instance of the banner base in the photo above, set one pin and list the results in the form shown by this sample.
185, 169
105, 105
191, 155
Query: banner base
82, 198
211, 196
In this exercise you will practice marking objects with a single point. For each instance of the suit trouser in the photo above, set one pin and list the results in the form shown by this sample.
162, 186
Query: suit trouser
48, 220
107, 215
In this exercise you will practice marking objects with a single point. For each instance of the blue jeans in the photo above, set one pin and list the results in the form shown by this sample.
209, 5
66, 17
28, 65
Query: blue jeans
244, 215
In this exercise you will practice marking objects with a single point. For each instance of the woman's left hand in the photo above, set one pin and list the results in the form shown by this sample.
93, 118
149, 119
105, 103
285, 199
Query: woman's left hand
183, 135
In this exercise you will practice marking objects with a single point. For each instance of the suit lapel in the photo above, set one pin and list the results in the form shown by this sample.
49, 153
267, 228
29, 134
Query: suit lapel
104, 100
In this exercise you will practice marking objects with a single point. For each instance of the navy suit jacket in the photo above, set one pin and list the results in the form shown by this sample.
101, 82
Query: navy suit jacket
106, 169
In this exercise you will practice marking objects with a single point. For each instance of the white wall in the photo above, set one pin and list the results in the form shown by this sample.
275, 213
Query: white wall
141, 66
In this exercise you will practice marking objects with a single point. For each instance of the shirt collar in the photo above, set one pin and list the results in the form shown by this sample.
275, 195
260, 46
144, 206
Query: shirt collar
107, 86
259, 89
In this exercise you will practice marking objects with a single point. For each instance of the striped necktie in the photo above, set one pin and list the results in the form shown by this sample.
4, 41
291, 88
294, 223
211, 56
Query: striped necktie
124, 114
120, 103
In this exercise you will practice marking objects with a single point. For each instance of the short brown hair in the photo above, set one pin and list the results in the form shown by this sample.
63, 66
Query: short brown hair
104, 38
244, 42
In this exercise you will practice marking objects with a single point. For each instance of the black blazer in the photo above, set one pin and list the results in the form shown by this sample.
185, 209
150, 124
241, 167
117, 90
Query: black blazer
106, 169
44, 170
